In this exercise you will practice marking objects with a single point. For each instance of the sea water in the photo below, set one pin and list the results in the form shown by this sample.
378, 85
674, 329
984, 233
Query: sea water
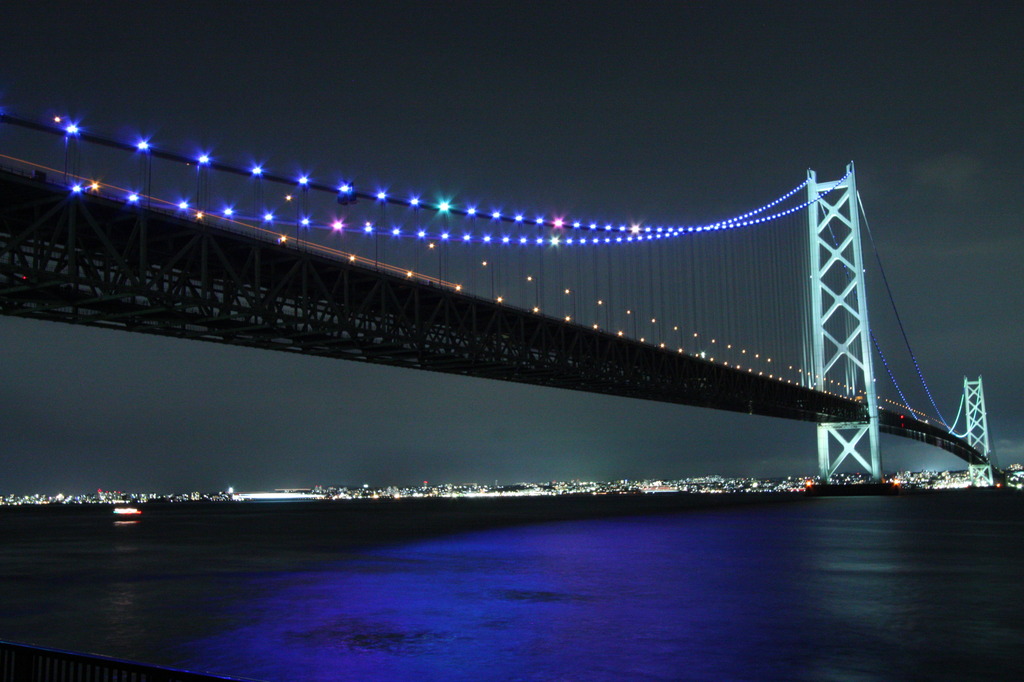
921, 586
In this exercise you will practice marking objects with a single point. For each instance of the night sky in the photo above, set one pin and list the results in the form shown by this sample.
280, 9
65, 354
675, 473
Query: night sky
661, 110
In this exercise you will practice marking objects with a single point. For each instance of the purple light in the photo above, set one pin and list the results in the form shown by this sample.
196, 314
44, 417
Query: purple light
337, 225
558, 222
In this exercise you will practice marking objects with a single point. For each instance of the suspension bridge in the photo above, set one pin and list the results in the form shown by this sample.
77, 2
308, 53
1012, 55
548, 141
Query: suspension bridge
764, 312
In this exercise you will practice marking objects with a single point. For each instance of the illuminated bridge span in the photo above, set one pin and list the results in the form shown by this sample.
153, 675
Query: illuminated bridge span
715, 313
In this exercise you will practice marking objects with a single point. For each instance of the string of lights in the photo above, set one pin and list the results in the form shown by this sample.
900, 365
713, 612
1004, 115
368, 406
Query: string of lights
899, 320
347, 193
270, 224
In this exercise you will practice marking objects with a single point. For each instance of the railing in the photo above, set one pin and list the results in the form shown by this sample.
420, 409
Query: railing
24, 663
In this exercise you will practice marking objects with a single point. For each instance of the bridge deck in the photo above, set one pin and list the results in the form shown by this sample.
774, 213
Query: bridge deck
86, 259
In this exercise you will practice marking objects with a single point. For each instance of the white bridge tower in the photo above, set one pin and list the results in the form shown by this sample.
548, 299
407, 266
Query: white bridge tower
840, 334
981, 473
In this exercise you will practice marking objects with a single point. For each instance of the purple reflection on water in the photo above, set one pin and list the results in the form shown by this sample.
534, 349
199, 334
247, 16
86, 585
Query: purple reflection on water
842, 589
655, 598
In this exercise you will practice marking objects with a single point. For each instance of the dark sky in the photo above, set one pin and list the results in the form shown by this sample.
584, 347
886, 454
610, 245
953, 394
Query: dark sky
663, 109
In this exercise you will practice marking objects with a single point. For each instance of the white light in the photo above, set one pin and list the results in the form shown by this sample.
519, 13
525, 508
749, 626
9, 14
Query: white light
229, 211
305, 222
268, 216
471, 211
396, 232
382, 195
304, 180
496, 215
443, 206
257, 171
133, 198
204, 159
414, 202
421, 234
183, 205
72, 129
142, 145
519, 218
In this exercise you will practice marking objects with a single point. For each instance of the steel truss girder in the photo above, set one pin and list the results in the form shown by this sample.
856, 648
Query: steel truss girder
91, 260
840, 329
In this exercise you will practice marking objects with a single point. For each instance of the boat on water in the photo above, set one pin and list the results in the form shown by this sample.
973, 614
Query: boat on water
126, 510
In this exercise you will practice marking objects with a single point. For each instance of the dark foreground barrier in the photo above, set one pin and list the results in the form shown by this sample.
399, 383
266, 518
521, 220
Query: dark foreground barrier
24, 663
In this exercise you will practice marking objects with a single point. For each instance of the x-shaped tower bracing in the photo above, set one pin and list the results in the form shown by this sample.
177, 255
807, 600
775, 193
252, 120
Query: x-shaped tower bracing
840, 336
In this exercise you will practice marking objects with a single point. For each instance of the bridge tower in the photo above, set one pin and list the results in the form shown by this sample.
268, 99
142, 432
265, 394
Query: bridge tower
981, 473
840, 334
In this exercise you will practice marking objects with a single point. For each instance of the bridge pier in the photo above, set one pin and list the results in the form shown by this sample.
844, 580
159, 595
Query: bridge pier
840, 333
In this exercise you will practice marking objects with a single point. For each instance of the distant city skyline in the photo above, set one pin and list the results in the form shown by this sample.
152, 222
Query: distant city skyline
649, 109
